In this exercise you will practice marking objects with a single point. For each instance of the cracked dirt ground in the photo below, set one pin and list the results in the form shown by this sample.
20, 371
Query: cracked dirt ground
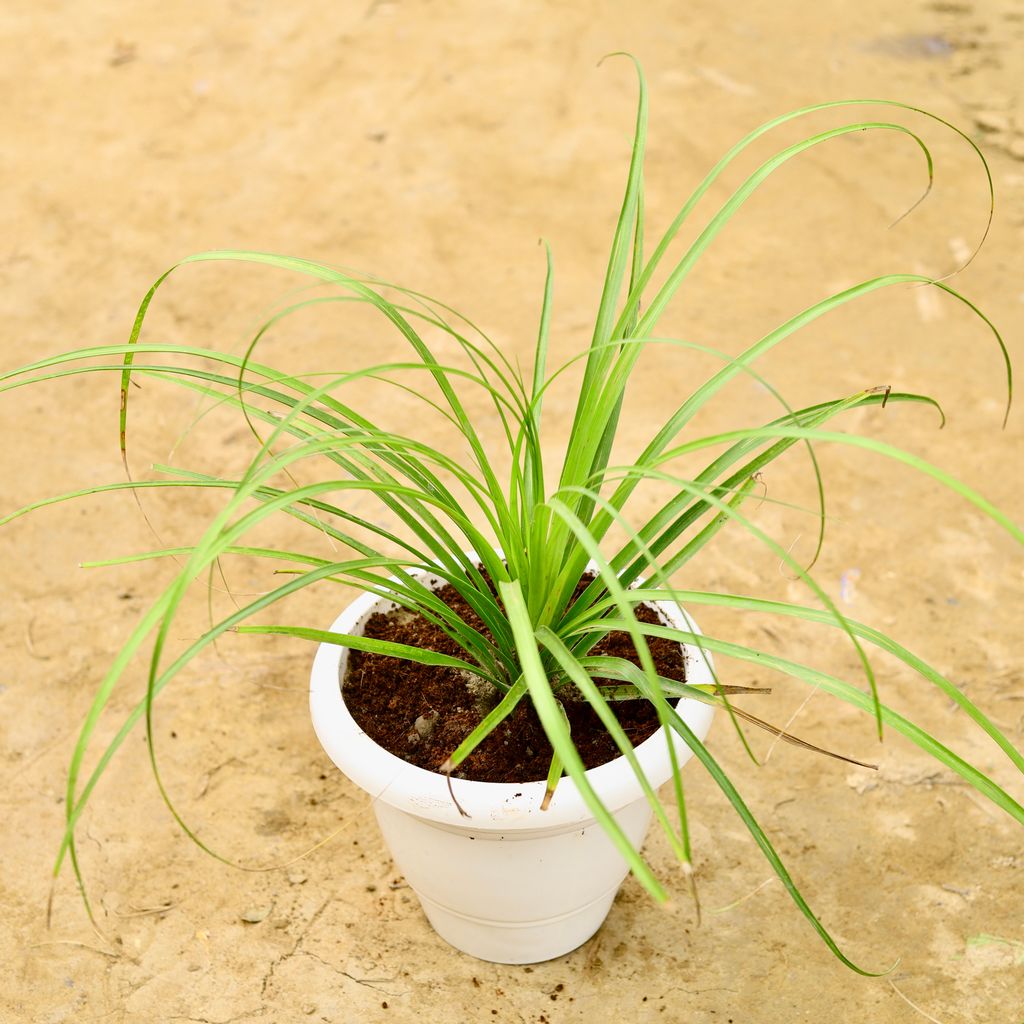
432, 144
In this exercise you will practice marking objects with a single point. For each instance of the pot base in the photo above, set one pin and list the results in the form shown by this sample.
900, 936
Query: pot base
518, 942
544, 891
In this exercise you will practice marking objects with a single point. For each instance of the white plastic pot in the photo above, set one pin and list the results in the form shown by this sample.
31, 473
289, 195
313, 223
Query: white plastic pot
511, 883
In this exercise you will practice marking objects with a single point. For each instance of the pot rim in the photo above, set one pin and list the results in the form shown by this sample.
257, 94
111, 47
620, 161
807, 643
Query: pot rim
490, 806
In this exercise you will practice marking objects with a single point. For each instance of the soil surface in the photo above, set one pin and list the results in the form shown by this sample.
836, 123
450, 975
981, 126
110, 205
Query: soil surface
423, 712
433, 143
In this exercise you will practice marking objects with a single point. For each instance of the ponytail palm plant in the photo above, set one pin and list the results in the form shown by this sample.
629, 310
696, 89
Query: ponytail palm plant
551, 558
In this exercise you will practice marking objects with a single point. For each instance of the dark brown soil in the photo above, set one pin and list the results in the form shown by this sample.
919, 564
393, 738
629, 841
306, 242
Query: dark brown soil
421, 713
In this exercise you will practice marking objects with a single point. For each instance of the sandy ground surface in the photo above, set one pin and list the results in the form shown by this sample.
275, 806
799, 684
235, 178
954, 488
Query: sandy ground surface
433, 143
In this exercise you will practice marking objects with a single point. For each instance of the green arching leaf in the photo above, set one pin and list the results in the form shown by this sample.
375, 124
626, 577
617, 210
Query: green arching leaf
621, 599
870, 444
451, 466
75, 805
540, 355
844, 691
768, 126
75, 808
865, 632
619, 258
592, 431
508, 703
619, 596
619, 668
734, 514
725, 784
415, 516
655, 450
665, 711
554, 776
645, 324
480, 360
584, 458
323, 272
555, 769
577, 674
551, 719
361, 643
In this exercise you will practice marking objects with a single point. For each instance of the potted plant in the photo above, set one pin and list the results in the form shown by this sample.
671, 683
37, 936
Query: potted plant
539, 596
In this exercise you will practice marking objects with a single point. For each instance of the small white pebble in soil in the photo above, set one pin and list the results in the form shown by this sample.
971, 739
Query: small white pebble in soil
424, 725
